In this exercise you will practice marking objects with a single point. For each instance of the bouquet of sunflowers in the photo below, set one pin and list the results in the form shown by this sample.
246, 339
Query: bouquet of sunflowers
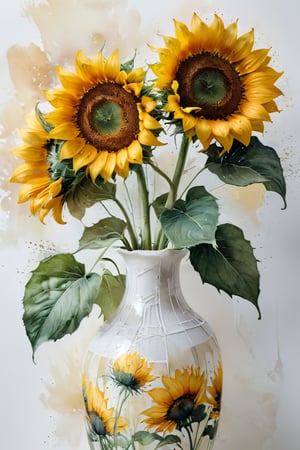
99, 142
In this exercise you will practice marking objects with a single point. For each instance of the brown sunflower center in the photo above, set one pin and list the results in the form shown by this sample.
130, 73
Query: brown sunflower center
210, 83
108, 117
181, 409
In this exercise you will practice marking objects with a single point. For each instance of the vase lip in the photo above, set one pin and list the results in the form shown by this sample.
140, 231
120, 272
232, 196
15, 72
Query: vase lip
180, 252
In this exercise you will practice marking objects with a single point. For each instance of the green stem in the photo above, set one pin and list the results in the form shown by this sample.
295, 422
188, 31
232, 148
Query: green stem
146, 243
178, 171
161, 173
133, 238
172, 196
190, 438
113, 263
192, 180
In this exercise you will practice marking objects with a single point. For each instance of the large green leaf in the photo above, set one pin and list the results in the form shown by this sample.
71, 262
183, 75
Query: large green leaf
231, 266
192, 221
85, 193
111, 292
242, 166
57, 297
102, 234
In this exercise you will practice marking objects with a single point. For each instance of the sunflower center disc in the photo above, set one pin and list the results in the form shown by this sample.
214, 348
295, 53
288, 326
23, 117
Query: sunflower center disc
97, 423
108, 117
181, 409
209, 83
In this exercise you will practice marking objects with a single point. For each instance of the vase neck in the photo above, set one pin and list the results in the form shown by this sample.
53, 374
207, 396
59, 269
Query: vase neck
153, 273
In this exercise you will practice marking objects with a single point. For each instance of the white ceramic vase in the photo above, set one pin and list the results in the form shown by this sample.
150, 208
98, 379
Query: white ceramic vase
152, 376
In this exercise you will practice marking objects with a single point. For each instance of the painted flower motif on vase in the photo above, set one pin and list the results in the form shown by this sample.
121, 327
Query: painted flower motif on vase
181, 410
131, 373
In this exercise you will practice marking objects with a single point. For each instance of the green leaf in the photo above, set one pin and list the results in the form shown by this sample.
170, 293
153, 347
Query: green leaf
159, 204
84, 194
102, 234
242, 166
111, 292
146, 438
193, 221
170, 439
57, 297
231, 266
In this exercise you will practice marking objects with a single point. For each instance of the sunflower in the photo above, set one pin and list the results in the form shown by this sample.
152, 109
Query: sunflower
100, 417
102, 116
44, 192
132, 372
220, 88
214, 394
177, 403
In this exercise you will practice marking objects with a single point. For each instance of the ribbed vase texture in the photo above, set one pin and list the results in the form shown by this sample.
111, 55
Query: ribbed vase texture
152, 376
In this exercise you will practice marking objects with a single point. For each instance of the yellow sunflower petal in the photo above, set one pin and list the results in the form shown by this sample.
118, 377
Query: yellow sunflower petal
252, 61
32, 189
30, 153
122, 158
145, 137
33, 137
96, 167
65, 131
253, 110
64, 113
28, 171
71, 148
242, 46
240, 128
113, 66
135, 153
203, 131
109, 166
86, 156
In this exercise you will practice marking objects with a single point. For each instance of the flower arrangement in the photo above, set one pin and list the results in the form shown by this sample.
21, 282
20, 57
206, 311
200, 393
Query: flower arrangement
211, 91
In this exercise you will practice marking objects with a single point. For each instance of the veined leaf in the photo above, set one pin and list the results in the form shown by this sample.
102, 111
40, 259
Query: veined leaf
111, 292
57, 297
231, 266
242, 166
193, 221
85, 194
102, 234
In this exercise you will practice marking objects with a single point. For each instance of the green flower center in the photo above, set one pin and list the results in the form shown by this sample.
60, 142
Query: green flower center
108, 118
181, 409
97, 423
126, 379
210, 84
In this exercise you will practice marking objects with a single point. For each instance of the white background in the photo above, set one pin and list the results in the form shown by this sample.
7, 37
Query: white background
261, 358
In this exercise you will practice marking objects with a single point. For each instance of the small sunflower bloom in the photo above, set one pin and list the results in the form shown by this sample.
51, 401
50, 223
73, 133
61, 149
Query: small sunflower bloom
43, 190
214, 394
220, 88
132, 372
100, 417
102, 115
177, 401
